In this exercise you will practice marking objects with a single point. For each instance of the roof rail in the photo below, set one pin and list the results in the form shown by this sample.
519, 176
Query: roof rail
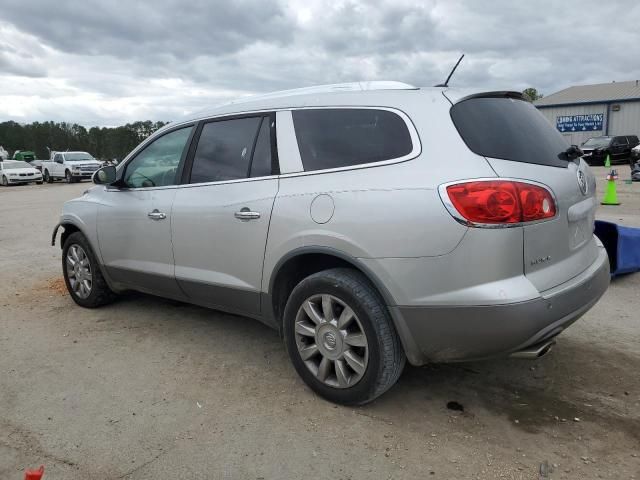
331, 88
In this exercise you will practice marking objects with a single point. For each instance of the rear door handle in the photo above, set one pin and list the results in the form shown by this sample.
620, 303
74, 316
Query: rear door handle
246, 214
157, 215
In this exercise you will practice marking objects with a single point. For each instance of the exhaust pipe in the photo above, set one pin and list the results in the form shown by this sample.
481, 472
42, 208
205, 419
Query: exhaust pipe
538, 350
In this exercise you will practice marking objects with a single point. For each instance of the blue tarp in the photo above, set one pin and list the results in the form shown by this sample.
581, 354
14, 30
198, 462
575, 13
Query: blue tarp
622, 245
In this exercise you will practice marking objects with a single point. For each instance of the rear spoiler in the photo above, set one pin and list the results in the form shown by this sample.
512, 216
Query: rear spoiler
497, 94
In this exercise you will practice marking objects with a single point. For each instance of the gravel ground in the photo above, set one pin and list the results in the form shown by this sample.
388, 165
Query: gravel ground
151, 389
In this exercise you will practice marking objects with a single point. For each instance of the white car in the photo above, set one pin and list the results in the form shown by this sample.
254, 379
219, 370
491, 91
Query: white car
635, 155
15, 171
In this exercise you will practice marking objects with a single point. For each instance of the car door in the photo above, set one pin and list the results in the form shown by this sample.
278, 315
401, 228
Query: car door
57, 167
619, 147
221, 219
134, 218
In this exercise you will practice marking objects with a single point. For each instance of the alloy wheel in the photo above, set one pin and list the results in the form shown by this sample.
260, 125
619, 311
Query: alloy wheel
79, 271
331, 341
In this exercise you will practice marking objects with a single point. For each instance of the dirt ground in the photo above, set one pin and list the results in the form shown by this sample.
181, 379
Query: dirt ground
153, 389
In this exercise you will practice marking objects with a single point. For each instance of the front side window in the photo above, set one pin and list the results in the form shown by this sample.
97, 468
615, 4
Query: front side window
224, 150
342, 137
157, 165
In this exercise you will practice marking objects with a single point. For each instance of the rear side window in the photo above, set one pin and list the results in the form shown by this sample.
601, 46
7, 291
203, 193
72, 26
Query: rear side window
617, 141
341, 137
224, 150
261, 163
510, 129
633, 140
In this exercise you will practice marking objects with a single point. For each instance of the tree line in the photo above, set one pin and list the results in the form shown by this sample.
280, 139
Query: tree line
104, 143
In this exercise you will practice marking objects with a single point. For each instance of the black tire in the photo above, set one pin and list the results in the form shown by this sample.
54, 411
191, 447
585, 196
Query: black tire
100, 293
39, 183
386, 355
68, 177
47, 177
5, 182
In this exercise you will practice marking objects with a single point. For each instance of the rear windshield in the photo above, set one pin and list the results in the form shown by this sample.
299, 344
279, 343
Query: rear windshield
508, 128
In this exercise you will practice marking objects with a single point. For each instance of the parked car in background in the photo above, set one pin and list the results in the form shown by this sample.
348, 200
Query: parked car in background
69, 166
617, 147
328, 214
14, 172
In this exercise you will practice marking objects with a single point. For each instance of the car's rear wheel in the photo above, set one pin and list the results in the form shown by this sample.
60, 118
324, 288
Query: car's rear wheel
47, 177
82, 274
340, 337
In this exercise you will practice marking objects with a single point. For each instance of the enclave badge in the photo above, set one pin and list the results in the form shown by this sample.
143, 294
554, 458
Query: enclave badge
582, 182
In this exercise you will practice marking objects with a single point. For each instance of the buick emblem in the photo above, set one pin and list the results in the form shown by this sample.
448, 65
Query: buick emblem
582, 182
330, 340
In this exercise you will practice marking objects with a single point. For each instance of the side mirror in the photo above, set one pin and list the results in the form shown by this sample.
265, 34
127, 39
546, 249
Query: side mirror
105, 175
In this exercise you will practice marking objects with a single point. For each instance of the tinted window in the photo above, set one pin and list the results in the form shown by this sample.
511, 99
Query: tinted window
157, 164
633, 140
331, 138
261, 163
224, 150
619, 141
597, 142
508, 128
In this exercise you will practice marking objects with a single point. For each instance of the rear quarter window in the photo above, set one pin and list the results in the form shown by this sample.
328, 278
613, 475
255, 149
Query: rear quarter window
344, 137
508, 128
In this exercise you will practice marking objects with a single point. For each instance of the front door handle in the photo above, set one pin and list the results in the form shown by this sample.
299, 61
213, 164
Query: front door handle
157, 215
246, 214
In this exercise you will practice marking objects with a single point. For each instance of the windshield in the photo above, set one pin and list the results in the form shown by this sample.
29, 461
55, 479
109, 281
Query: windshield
9, 166
77, 157
597, 142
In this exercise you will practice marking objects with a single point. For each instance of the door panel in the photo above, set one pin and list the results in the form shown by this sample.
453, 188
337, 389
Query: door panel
136, 249
134, 220
218, 256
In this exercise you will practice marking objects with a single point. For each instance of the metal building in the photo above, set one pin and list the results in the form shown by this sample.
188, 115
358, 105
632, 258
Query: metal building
587, 111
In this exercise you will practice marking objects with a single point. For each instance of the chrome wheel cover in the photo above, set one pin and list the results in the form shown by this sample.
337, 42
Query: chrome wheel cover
79, 271
331, 341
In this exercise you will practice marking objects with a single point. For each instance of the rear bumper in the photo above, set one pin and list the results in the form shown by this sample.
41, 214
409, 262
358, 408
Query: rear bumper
470, 332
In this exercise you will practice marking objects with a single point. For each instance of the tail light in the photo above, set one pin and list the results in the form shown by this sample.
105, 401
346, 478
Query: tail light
499, 202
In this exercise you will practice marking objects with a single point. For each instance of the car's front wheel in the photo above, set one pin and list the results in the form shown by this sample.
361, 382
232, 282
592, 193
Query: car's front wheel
82, 274
340, 337
5, 182
47, 177
68, 177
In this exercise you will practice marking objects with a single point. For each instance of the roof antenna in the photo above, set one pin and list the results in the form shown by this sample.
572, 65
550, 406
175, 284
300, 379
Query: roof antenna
446, 83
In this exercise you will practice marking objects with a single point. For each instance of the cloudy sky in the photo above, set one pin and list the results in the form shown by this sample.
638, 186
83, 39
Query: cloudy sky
111, 62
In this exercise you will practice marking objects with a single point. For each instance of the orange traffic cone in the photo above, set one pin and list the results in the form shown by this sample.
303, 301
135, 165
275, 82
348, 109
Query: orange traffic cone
34, 474
610, 195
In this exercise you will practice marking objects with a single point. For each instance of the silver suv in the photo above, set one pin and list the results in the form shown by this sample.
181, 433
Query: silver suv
369, 223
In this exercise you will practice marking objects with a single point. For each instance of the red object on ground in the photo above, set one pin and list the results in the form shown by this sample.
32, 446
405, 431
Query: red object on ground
34, 474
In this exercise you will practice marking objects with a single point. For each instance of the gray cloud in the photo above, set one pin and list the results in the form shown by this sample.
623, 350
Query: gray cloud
111, 62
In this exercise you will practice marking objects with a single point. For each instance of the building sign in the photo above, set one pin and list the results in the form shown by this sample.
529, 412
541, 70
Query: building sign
579, 123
